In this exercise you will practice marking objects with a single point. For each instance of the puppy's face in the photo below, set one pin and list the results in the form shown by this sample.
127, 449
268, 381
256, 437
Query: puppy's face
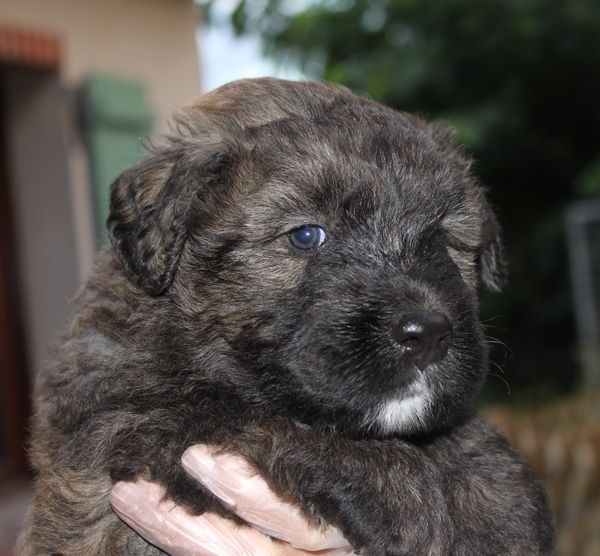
331, 256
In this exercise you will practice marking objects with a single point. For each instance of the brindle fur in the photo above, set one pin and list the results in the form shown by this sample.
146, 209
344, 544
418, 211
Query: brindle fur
204, 324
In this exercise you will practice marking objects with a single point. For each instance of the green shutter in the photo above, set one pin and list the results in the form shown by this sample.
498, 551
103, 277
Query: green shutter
116, 118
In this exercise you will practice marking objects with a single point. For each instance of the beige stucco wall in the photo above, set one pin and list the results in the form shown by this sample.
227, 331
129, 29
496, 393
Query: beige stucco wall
38, 175
153, 41
150, 40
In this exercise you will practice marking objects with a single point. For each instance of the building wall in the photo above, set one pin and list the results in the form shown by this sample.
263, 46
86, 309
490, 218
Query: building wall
38, 175
149, 40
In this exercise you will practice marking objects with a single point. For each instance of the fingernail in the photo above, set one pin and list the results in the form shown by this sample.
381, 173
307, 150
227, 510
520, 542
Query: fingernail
198, 458
126, 499
125, 491
205, 459
127, 495
119, 495
200, 463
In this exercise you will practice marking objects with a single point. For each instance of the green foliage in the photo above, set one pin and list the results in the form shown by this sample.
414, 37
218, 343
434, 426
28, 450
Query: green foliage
520, 79
588, 181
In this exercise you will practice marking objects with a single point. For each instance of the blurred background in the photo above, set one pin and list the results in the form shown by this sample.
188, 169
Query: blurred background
81, 81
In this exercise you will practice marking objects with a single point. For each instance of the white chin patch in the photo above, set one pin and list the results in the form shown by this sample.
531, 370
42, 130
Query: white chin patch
407, 414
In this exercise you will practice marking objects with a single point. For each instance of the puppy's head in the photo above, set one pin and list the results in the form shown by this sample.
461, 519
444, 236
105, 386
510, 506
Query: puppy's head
327, 249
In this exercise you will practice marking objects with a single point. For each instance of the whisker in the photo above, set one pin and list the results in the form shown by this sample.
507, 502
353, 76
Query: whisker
492, 341
497, 366
503, 380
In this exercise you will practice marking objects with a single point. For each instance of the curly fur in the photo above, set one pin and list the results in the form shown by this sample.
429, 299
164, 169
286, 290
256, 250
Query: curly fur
204, 324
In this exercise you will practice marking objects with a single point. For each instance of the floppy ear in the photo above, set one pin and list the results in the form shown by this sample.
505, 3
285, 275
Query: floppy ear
491, 262
149, 213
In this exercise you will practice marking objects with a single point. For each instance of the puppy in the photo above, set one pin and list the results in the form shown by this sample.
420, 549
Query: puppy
293, 277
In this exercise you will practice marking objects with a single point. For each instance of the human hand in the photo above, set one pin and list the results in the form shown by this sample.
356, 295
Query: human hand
161, 522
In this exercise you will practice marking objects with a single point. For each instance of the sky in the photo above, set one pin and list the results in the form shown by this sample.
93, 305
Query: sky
225, 57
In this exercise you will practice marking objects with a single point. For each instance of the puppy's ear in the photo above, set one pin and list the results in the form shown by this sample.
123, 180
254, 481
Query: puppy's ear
491, 262
149, 213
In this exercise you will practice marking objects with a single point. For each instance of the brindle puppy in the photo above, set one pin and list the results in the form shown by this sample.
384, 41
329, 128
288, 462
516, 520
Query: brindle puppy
293, 278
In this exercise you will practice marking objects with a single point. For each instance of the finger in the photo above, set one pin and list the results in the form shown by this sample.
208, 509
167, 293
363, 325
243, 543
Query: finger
161, 522
240, 488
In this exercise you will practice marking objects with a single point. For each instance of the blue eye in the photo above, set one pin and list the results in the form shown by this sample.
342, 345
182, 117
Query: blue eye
307, 237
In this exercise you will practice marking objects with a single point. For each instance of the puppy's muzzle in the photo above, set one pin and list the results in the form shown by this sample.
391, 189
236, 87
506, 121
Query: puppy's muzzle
424, 338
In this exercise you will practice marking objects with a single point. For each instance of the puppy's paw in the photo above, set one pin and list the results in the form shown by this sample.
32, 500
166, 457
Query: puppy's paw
191, 495
188, 493
393, 546
124, 473
413, 538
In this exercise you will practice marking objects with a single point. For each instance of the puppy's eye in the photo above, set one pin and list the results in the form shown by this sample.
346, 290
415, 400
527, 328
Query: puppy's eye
307, 237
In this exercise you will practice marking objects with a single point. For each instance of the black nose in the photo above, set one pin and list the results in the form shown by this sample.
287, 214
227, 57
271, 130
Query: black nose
423, 337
